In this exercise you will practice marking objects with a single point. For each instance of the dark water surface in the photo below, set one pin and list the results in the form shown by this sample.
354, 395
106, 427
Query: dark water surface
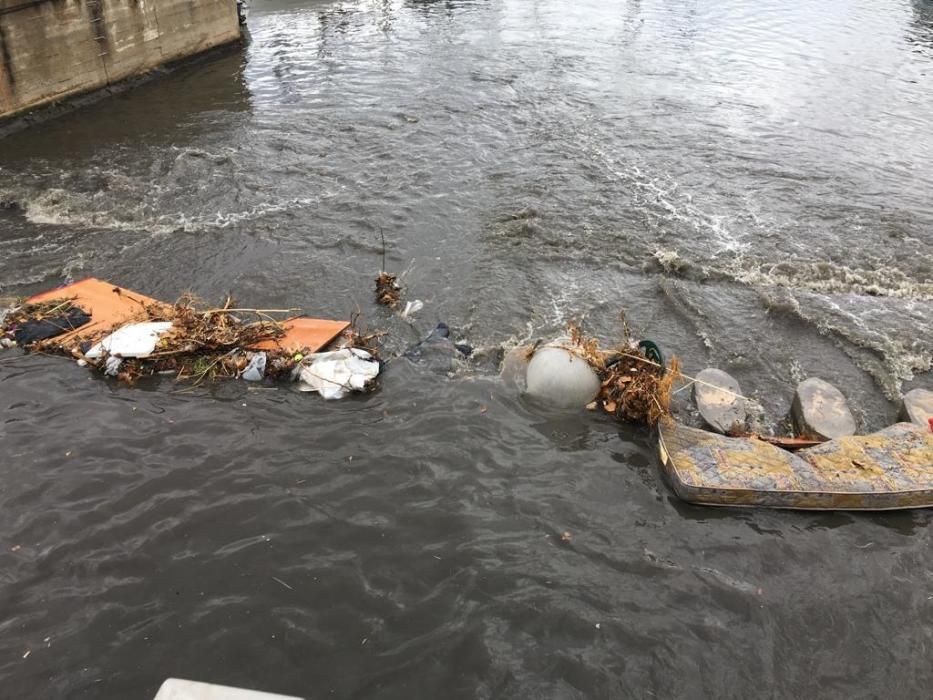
751, 181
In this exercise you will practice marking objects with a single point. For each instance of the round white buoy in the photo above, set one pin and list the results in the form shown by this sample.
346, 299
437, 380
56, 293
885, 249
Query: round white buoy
560, 378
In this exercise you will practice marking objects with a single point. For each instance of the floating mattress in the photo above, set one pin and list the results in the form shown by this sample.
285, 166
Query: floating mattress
111, 307
887, 470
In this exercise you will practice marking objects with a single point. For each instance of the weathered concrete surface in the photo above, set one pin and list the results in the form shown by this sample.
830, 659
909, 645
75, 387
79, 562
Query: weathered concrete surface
820, 411
561, 379
51, 49
917, 407
722, 408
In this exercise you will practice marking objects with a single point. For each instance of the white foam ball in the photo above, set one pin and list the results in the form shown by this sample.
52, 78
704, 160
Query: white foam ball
560, 378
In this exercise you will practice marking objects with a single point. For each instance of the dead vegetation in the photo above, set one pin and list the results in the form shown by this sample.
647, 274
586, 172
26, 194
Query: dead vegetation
388, 290
356, 336
633, 388
210, 343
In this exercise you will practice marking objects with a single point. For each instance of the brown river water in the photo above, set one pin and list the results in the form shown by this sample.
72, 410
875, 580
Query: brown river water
750, 181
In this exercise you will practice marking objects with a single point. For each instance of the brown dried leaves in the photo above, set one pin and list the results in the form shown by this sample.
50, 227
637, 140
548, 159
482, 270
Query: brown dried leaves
388, 290
633, 388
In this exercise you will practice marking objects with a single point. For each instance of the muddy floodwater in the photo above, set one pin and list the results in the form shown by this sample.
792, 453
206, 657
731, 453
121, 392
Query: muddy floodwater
751, 181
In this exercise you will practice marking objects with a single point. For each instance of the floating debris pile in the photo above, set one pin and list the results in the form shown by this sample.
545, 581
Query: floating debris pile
635, 382
200, 345
127, 337
388, 290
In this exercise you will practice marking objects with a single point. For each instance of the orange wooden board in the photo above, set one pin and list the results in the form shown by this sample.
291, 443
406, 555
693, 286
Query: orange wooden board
111, 306
108, 305
311, 334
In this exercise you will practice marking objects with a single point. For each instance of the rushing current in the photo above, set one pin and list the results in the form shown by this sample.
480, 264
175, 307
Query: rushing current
749, 181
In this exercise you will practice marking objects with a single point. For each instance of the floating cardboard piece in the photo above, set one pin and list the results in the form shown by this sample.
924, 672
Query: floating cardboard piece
887, 470
111, 306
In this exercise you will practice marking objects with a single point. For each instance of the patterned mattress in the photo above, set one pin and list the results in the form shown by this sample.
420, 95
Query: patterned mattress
890, 469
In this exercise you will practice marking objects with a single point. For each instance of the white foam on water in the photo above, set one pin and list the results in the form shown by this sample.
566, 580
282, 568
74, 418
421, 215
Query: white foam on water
661, 193
889, 339
827, 277
815, 276
57, 207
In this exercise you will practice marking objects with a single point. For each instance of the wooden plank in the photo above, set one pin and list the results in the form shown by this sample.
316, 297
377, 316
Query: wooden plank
309, 334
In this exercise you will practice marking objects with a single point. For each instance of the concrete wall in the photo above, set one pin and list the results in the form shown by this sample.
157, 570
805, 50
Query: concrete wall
50, 49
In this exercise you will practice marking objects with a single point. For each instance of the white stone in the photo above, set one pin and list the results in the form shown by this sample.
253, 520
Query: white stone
560, 378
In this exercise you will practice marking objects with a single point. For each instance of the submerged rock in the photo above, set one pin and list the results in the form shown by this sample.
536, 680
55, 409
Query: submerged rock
723, 411
560, 378
917, 407
820, 411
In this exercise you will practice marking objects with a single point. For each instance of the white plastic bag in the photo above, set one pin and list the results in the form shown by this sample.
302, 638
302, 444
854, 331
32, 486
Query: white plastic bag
256, 368
411, 308
112, 366
334, 374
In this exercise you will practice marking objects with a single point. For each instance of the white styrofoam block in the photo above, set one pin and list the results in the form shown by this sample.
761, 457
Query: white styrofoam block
134, 340
178, 689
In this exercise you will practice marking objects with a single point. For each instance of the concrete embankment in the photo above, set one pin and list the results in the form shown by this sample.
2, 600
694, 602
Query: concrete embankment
52, 49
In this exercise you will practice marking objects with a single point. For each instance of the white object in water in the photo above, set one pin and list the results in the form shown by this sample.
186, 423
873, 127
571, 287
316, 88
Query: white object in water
256, 368
112, 366
178, 689
134, 340
411, 308
559, 377
334, 374
514, 367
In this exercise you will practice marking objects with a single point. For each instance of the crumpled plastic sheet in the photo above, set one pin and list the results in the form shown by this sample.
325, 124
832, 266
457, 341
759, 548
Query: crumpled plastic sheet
256, 368
335, 374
